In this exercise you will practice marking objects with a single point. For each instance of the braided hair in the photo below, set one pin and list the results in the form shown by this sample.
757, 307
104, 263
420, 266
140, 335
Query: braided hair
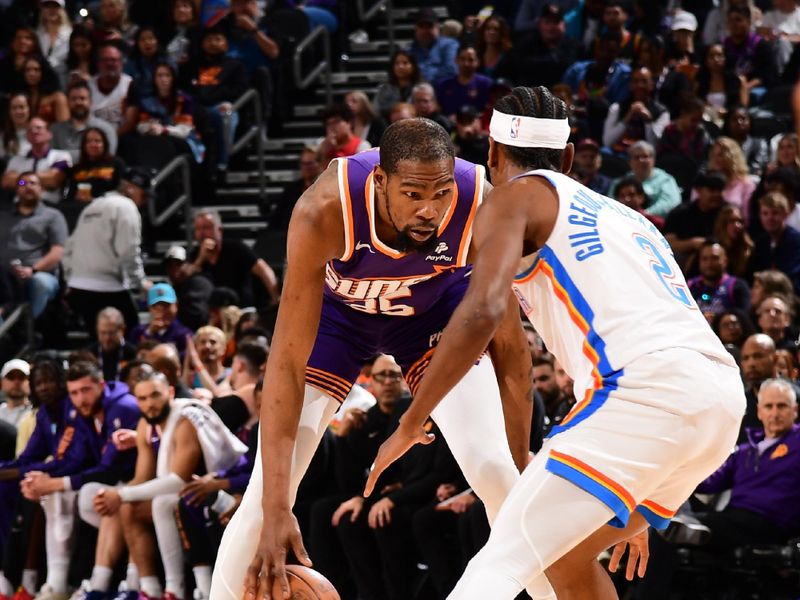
536, 102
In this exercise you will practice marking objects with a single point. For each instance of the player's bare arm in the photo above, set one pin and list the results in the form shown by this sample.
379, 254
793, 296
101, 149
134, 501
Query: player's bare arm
516, 216
145, 457
187, 452
315, 237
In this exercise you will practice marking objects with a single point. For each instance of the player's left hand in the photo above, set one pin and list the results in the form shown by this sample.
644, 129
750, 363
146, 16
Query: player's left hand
393, 448
196, 491
639, 551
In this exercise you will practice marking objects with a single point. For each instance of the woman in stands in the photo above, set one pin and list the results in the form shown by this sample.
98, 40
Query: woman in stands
97, 171
15, 127
168, 111
730, 231
184, 37
113, 23
24, 44
719, 86
367, 124
54, 31
726, 156
80, 59
404, 74
733, 327
493, 44
41, 85
143, 58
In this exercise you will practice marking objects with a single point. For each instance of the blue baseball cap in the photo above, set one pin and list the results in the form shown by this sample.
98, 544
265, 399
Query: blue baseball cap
161, 292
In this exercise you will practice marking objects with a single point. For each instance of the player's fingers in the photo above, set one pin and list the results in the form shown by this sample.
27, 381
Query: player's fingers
300, 550
387, 517
633, 559
355, 512
336, 516
280, 583
616, 556
251, 578
374, 473
644, 557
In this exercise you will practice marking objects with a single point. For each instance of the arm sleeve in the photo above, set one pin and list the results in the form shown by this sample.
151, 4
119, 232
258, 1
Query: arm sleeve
169, 484
127, 244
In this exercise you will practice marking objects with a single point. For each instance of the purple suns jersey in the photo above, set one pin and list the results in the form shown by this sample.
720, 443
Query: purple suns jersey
371, 285
375, 279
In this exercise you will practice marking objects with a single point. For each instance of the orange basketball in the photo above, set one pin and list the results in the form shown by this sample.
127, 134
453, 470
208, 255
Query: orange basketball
307, 584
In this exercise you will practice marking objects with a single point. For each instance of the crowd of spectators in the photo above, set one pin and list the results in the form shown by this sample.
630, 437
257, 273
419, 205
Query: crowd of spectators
108, 489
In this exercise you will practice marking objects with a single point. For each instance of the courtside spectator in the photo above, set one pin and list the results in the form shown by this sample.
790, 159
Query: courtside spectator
435, 54
164, 326
661, 188
779, 246
68, 135
423, 98
111, 349
339, 140
16, 389
114, 95
15, 127
715, 290
404, 75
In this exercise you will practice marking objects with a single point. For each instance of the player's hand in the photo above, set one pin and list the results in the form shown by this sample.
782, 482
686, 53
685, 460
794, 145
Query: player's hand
266, 575
124, 439
381, 513
639, 551
196, 491
107, 502
394, 447
354, 506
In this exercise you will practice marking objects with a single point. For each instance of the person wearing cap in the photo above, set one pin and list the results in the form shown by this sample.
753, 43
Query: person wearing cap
530, 11
164, 326
586, 167
435, 54
688, 225
35, 235
192, 289
15, 387
542, 56
103, 256
467, 87
471, 142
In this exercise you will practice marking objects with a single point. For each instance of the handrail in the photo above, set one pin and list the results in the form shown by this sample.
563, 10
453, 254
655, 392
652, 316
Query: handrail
22, 311
249, 97
365, 15
323, 66
184, 200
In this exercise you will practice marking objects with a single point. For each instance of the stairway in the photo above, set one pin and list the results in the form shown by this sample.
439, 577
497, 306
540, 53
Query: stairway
363, 67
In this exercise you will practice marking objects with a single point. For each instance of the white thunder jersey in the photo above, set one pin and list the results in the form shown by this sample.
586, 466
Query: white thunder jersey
605, 291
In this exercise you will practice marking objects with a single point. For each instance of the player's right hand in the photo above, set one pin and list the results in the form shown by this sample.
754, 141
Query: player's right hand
266, 575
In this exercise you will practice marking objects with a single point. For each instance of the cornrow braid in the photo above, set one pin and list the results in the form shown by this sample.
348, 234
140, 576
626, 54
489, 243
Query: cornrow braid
536, 102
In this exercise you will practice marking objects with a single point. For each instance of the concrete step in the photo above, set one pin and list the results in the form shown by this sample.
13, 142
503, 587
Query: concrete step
356, 78
377, 46
239, 177
308, 110
294, 142
410, 13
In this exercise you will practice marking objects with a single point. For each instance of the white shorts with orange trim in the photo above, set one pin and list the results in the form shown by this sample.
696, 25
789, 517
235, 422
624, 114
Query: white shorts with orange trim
671, 422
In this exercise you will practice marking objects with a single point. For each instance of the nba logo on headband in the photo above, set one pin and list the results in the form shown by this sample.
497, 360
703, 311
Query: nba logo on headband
515, 123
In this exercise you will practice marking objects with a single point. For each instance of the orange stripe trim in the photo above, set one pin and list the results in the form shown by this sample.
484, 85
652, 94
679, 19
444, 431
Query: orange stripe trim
593, 473
336, 395
463, 247
415, 379
350, 241
331, 375
658, 509
379, 245
581, 323
331, 387
417, 363
450, 211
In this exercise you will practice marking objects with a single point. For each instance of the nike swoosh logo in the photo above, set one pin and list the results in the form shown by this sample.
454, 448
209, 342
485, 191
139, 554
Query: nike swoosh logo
361, 246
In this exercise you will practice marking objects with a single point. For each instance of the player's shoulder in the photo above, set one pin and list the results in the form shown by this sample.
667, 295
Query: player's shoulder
321, 201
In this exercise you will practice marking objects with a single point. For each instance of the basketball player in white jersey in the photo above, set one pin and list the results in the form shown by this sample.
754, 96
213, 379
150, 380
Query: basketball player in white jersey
661, 398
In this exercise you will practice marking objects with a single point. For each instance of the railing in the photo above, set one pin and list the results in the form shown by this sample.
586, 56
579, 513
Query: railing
323, 66
23, 311
184, 200
366, 14
254, 131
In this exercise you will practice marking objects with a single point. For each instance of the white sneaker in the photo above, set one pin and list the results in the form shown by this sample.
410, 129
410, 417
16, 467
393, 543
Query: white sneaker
82, 592
48, 593
198, 595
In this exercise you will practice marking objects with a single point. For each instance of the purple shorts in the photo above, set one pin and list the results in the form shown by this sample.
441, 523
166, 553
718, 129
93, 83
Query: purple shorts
347, 339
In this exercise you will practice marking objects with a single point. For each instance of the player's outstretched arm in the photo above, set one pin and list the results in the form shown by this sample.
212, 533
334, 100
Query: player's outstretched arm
500, 229
316, 235
513, 366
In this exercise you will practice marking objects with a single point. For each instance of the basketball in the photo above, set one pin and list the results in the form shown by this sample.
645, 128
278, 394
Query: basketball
307, 584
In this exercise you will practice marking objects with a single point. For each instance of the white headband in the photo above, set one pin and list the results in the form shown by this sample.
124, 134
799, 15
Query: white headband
529, 132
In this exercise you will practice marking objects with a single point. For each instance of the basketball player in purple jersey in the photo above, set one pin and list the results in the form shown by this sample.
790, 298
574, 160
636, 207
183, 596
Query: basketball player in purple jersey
378, 255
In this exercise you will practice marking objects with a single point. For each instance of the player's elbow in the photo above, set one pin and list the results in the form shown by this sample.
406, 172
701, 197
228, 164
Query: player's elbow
486, 315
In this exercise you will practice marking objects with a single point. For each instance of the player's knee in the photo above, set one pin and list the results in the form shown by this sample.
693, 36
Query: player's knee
86, 509
569, 571
491, 475
164, 506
